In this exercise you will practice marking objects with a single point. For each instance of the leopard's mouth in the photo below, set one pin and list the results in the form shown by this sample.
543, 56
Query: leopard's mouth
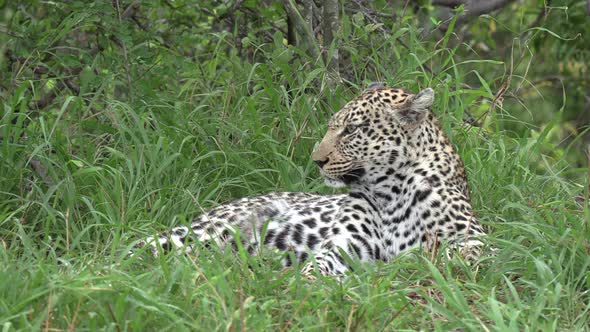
334, 183
342, 180
354, 175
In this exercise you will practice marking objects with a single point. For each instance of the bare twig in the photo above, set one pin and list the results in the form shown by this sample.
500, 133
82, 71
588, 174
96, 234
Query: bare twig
130, 10
300, 25
542, 14
114, 318
449, 3
473, 8
67, 218
330, 27
38, 71
369, 11
230, 12
588, 156
47, 321
369, 14
308, 9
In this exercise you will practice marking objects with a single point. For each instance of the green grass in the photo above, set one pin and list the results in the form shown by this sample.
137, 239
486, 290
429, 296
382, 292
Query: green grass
125, 162
63, 254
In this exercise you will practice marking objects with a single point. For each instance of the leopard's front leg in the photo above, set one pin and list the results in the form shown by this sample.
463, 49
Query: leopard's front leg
328, 262
330, 259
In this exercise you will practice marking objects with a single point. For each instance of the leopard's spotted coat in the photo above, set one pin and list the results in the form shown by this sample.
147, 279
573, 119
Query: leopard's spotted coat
407, 188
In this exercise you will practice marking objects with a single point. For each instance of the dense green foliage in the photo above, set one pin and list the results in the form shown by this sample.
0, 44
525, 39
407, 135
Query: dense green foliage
115, 127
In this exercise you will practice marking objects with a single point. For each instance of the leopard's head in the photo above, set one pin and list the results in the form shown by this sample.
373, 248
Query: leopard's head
370, 132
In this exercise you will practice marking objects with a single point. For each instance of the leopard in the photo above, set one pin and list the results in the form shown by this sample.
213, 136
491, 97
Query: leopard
407, 188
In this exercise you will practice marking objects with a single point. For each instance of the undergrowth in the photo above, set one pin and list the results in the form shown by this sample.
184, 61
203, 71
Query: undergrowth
82, 182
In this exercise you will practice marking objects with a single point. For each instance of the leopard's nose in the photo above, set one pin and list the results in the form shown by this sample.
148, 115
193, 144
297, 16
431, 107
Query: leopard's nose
321, 162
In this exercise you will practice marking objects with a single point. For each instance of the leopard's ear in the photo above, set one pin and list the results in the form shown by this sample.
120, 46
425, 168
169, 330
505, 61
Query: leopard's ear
374, 86
417, 106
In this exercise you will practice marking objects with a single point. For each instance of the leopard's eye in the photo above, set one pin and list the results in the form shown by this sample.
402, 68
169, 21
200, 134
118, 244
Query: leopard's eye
349, 129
